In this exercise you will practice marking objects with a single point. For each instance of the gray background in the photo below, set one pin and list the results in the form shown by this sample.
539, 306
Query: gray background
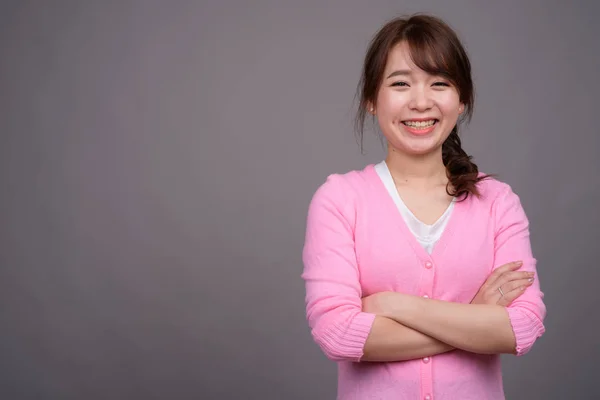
157, 162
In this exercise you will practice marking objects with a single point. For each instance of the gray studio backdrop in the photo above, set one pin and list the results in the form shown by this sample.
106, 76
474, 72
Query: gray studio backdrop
158, 158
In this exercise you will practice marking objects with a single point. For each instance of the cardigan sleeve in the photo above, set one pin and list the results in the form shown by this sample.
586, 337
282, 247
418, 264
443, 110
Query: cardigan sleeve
512, 243
333, 291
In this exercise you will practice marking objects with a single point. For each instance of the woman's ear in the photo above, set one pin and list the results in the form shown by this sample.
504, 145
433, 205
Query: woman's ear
370, 108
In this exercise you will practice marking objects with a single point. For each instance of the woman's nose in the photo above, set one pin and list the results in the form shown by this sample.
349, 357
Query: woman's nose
420, 100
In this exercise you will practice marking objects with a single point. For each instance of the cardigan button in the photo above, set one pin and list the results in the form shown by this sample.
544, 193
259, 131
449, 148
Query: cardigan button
426, 360
428, 265
427, 397
425, 296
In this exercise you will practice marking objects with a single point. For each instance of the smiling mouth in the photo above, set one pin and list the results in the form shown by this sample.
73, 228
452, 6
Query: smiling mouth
420, 124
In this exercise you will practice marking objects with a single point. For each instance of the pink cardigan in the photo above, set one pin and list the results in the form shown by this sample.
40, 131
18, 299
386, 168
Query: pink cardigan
357, 244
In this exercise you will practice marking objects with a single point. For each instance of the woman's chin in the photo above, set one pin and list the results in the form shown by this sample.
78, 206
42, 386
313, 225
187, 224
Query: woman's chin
420, 146
422, 151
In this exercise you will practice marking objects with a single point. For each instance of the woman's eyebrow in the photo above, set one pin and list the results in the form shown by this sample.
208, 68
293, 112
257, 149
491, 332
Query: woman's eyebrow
399, 72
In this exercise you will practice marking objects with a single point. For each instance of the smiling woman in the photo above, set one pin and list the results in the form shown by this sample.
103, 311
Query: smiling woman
418, 269
416, 110
417, 64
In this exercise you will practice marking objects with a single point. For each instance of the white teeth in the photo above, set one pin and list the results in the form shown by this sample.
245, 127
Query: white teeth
419, 124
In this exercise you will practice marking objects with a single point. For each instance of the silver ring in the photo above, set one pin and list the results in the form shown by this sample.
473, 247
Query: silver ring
500, 290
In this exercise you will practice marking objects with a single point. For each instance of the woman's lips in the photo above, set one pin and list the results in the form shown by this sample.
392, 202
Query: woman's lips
420, 131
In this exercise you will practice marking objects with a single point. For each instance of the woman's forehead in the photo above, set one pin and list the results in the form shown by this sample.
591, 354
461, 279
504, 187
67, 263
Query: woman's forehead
400, 59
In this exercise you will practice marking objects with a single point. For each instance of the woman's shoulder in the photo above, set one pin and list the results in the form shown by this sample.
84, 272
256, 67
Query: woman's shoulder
350, 179
491, 188
345, 186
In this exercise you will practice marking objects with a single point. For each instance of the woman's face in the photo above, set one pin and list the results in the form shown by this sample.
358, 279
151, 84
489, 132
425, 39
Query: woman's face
416, 111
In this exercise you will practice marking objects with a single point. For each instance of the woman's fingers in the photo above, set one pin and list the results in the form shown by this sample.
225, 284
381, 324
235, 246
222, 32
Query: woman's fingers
488, 292
513, 290
513, 285
500, 271
512, 276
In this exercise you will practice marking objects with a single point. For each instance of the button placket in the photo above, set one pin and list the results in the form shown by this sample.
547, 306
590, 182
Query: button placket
426, 362
427, 283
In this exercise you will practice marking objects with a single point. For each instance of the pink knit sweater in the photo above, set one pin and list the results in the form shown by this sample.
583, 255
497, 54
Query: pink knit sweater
358, 244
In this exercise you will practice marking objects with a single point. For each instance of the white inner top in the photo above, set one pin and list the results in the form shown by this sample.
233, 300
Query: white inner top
427, 235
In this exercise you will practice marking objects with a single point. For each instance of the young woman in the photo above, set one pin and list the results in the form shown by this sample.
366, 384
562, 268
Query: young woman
418, 269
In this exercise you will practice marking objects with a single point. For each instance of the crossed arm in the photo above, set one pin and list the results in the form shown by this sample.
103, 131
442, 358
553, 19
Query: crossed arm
414, 327
389, 340
407, 327
396, 326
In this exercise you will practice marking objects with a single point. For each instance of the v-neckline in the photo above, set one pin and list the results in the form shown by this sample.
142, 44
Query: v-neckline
388, 180
390, 204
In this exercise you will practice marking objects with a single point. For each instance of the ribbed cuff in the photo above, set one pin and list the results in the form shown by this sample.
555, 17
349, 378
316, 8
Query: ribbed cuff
526, 326
347, 340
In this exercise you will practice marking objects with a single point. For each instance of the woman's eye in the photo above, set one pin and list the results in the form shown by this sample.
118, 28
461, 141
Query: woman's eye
441, 84
399, 84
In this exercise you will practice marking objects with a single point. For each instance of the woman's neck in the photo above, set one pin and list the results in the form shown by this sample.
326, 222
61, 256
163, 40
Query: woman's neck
424, 171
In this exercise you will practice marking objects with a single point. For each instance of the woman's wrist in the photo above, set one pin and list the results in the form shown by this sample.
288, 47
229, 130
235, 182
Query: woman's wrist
399, 306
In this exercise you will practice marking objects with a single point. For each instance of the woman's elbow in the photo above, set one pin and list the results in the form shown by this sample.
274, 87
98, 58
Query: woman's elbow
523, 347
343, 340
335, 352
527, 328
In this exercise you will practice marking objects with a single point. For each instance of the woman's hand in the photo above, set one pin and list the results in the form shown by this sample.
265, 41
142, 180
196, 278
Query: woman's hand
512, 284
380, 303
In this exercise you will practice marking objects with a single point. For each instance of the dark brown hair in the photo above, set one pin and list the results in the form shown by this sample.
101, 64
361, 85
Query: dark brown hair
435, 48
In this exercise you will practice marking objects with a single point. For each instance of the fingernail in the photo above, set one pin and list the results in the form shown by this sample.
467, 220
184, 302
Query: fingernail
519, 262
531, 273
530, 279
